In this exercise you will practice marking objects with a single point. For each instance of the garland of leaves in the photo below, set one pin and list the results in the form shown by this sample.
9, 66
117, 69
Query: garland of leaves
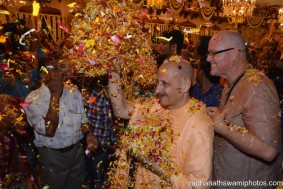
207, 12
176, 5
255, 21
231, 19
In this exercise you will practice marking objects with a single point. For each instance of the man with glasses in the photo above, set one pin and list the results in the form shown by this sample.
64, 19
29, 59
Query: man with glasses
247, 123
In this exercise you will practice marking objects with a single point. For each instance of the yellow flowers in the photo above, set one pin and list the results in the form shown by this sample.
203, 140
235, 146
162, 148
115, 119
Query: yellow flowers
89, 43
2, 39
109, 34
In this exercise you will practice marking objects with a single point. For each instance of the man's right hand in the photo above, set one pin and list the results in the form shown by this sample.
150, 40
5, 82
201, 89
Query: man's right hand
56, 83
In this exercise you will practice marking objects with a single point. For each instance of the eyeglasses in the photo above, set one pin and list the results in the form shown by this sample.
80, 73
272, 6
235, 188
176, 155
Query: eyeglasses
212, 54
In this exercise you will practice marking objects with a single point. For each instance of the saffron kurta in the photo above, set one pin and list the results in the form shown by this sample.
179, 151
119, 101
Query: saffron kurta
192, 147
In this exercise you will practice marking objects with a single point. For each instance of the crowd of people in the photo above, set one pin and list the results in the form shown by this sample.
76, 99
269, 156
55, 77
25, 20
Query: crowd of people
79, 136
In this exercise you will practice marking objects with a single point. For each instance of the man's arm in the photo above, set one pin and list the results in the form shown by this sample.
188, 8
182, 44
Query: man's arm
56, 87
52, 117
120, 106
260, 113
245, 139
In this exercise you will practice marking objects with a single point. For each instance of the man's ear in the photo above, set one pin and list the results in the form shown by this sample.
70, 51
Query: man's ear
234, 54
186, 84
173, 48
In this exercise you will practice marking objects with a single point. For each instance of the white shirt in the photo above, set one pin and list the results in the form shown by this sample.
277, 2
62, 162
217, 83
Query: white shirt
71, 117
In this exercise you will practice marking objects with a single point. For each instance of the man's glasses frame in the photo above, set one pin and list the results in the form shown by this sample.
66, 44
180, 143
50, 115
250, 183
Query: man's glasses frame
218, 52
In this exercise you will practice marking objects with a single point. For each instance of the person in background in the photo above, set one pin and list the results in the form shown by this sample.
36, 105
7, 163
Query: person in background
170, 44
276, 75
247, 146
10, 122
19, 76
56, 112
16, 169
207, 89
101, 121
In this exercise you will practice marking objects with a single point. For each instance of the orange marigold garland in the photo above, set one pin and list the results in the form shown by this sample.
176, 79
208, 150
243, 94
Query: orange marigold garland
149, 137
106, 34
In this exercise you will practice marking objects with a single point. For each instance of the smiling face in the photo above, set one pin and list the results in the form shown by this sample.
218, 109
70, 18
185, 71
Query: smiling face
219, 56
172, 85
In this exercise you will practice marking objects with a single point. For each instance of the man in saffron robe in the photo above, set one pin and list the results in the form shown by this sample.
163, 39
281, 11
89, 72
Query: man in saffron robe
192, 137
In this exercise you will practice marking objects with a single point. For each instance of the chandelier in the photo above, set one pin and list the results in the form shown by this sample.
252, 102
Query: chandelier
238, 9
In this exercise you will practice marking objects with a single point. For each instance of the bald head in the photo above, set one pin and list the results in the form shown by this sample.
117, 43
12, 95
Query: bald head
179, 68
230, 39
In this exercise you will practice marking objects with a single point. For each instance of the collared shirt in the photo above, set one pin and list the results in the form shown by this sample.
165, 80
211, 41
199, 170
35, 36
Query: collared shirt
253, 105
71, 117
100, 117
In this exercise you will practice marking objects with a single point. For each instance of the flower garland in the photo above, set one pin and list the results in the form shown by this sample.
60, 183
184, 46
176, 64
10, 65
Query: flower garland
106, 34
149, 137
176, 5
207, 12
